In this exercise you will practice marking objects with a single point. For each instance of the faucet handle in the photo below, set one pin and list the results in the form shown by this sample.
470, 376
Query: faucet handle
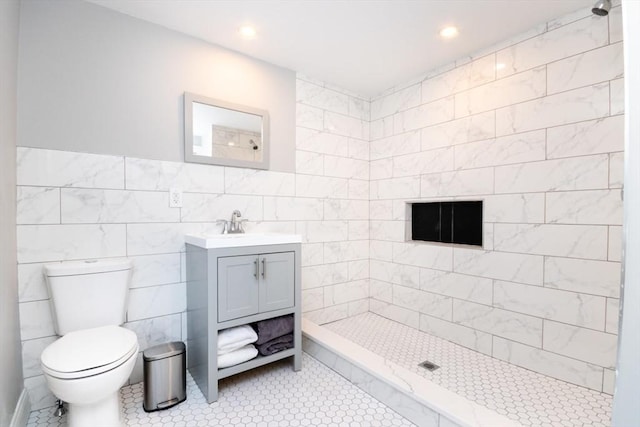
225, 225
240, 222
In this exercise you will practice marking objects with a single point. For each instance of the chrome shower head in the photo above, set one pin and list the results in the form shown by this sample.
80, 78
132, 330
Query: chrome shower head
601, 8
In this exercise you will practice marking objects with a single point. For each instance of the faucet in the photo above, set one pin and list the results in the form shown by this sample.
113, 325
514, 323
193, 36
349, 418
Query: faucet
235, 225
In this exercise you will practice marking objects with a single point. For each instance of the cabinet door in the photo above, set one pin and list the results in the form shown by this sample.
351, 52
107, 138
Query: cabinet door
277, 281
237, 287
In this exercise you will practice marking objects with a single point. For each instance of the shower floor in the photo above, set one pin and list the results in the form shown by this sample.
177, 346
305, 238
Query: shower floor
530, 398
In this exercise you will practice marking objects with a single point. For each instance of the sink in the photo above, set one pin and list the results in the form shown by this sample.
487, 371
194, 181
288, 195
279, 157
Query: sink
237, 240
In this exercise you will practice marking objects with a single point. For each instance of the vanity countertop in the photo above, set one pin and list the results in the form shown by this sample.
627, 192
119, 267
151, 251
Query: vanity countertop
238, 240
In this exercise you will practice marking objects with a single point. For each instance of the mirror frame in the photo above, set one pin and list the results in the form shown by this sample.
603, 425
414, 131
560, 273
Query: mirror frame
189, 99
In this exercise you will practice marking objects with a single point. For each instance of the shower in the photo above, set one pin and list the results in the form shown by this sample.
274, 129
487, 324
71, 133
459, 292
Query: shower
601, 8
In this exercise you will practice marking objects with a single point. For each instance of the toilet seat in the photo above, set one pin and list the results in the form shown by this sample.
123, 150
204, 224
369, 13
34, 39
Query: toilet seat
89, 352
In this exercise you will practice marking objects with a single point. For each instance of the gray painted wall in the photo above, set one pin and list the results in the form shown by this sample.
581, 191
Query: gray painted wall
10, 358
117, 88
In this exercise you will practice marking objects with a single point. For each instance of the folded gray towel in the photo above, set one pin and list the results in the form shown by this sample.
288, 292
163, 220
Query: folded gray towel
274, 328
275, 345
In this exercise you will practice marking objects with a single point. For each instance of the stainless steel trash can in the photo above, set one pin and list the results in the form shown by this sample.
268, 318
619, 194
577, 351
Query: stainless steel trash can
165, 380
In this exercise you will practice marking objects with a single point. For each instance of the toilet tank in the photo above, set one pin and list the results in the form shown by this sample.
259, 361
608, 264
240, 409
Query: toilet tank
88, 294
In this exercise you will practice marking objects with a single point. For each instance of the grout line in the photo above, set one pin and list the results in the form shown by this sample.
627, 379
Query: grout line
60, 201
608, 245
546, 80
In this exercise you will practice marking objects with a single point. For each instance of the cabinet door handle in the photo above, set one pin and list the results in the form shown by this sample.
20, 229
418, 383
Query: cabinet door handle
256, 268
264, 269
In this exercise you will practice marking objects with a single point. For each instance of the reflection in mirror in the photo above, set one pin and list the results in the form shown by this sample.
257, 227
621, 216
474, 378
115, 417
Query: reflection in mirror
222, 133
225, 133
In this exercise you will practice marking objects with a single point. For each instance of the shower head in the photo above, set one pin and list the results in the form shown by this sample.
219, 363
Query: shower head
601, 8
253, 144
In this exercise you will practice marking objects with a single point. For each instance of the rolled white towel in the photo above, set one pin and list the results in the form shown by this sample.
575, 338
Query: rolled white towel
234, 338
240, 355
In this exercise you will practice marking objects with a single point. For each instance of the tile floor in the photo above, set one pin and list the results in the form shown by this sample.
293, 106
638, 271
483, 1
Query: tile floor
530, 398
272, 395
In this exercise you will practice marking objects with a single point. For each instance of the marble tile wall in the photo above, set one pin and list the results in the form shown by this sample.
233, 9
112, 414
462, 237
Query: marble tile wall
332, 165
534, 127
75, 206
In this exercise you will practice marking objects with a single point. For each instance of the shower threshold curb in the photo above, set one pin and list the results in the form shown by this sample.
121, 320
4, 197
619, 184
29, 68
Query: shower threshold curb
419, 400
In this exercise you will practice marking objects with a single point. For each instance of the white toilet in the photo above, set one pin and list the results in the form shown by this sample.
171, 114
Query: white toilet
95, 356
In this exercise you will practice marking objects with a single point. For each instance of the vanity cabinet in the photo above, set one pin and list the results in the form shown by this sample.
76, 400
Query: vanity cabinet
253, 284
238, 285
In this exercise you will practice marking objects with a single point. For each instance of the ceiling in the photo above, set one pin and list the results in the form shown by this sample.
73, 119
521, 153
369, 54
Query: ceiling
365, 46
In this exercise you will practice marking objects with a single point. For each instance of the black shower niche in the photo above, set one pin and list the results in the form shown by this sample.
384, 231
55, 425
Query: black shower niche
447, 222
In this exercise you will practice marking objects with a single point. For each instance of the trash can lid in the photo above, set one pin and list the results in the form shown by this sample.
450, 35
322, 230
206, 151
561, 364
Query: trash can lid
163, 351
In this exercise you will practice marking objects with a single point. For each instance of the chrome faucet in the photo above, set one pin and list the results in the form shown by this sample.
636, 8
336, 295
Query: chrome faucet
235, 225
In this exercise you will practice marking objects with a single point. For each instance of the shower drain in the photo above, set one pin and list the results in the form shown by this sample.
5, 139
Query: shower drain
429, 366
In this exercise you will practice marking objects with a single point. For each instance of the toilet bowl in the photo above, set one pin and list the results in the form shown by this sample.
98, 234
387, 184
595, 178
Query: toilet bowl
95, 355
86, 369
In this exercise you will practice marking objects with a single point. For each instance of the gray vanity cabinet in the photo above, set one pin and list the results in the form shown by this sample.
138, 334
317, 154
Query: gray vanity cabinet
254, 284
234, 286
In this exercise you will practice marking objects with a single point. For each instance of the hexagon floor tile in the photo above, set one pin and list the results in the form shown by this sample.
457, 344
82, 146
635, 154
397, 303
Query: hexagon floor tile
272, 395
530, 398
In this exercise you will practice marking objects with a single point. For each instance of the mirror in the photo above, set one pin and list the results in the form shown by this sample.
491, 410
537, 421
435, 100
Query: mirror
221, 133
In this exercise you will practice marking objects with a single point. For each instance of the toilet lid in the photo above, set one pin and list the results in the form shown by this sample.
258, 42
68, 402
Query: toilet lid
89, 351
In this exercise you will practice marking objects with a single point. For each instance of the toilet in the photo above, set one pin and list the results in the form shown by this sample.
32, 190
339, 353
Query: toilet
95, 355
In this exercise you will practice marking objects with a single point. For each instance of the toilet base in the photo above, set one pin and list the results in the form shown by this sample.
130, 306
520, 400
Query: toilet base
93, 401
105, 413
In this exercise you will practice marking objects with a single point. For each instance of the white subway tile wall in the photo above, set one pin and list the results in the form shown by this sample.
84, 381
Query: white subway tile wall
536, 130
335, 173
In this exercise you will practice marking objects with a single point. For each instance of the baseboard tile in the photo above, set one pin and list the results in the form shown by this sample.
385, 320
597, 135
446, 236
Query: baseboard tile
22, 411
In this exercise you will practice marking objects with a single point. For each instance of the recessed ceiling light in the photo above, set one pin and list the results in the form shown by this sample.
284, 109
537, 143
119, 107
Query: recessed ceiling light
247, 31
231, 143
449, 32
500, 66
